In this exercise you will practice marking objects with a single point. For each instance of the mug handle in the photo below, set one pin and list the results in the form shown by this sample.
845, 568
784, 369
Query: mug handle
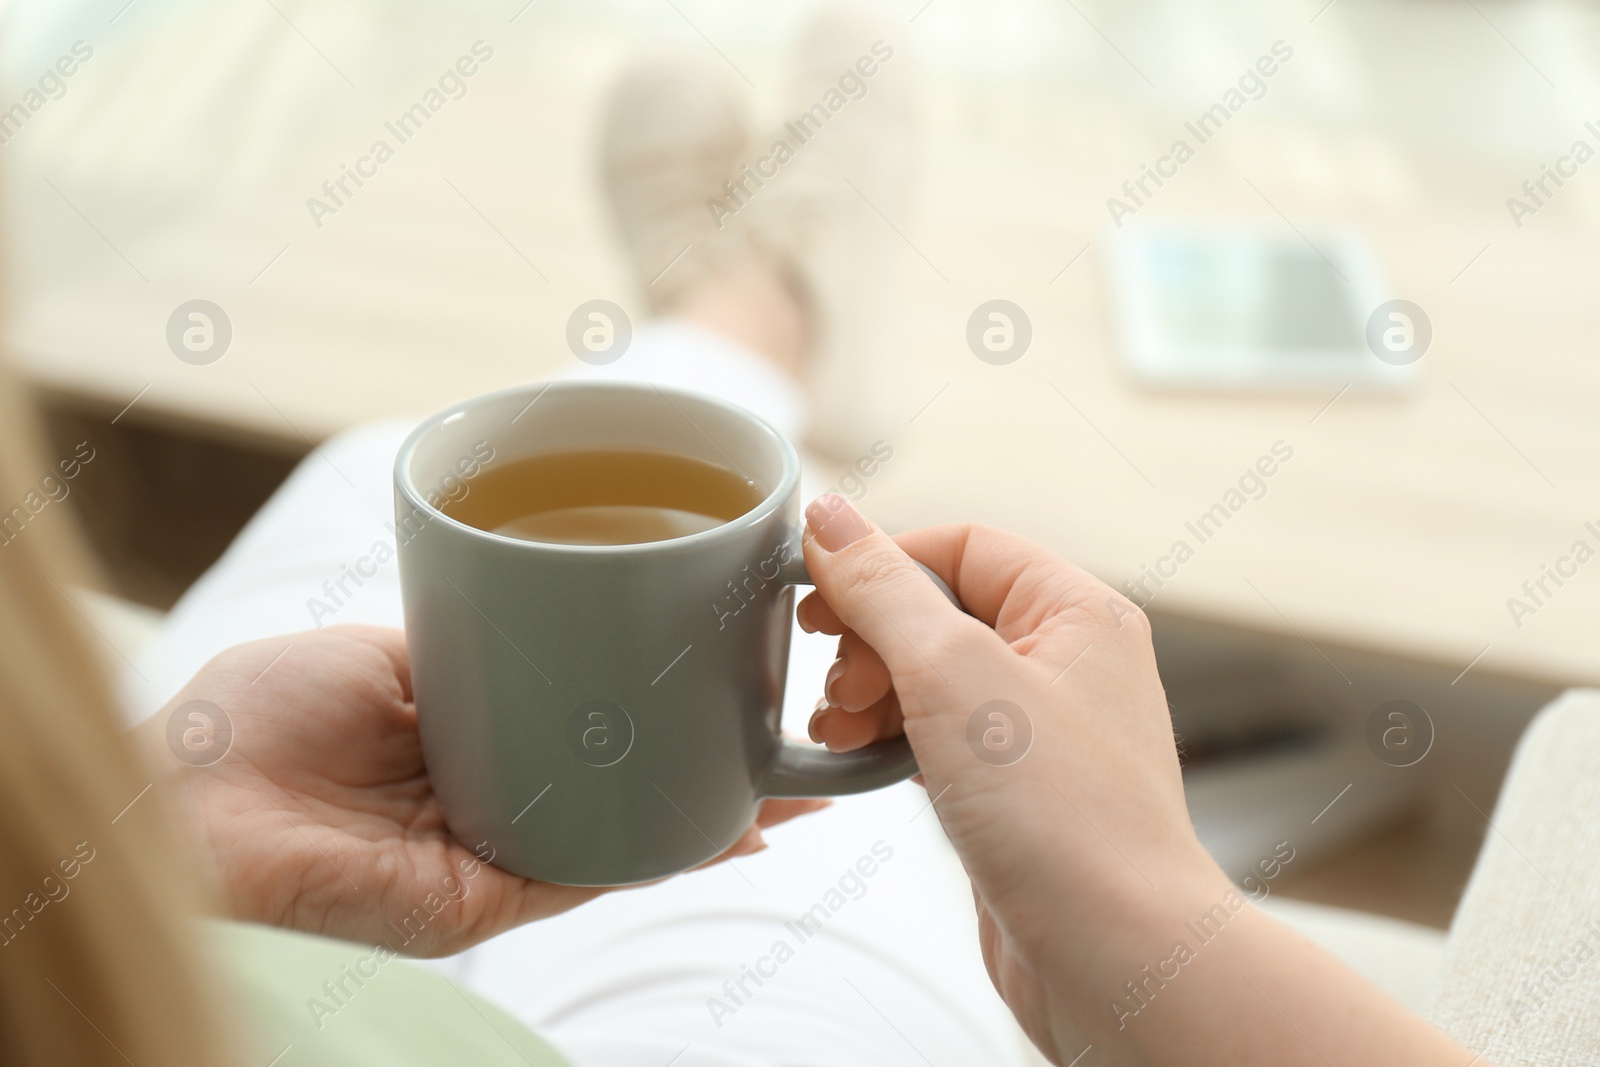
810, 771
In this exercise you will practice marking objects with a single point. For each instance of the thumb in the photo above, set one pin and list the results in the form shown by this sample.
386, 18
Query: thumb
885, 596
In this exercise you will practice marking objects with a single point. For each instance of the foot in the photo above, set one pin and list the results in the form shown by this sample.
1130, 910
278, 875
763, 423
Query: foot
672, 133
775, 242
840, 163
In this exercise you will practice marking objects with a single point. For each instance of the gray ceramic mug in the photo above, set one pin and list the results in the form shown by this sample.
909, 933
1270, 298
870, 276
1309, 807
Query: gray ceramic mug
605, 715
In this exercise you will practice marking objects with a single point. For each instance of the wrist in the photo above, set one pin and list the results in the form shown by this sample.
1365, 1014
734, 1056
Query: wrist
1105, 958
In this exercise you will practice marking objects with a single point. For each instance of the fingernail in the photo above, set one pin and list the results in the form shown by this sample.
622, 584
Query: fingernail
835, 672
835, 522
811, 727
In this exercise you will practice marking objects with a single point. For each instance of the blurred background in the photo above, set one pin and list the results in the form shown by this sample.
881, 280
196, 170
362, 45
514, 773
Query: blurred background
1378, 565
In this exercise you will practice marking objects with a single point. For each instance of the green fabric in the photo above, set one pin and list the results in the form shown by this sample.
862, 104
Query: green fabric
302, 992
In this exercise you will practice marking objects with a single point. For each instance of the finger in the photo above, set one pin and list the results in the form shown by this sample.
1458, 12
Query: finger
749, 842
531, 901
1011, 583
816, 616
840, 730
772, 812
389, 641
844, 731
858, 678
878, 591
776, 811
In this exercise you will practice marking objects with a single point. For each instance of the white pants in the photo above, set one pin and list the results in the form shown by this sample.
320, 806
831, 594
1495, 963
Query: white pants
711, 968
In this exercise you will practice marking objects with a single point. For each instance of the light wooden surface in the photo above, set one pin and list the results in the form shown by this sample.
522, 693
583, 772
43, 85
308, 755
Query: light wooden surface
1401, 524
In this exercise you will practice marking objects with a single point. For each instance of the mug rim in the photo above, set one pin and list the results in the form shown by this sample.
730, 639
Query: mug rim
770, 503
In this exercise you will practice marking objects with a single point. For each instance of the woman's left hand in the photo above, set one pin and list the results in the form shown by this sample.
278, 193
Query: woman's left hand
320, 816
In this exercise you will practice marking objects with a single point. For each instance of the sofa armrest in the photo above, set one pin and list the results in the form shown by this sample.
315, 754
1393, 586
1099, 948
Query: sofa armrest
1521, 981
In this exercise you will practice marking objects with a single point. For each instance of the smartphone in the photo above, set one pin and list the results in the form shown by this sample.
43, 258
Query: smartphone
1234, 306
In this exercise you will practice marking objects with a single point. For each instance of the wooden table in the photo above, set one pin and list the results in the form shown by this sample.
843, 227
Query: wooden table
1401, 525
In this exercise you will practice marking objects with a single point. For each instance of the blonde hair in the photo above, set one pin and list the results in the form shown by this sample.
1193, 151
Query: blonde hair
98, 962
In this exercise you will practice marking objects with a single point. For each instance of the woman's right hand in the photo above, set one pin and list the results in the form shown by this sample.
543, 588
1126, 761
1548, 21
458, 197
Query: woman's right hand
1043, 735
1042, 731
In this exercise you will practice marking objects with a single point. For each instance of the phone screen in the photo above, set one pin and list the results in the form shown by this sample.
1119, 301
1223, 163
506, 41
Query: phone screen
1250, 293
